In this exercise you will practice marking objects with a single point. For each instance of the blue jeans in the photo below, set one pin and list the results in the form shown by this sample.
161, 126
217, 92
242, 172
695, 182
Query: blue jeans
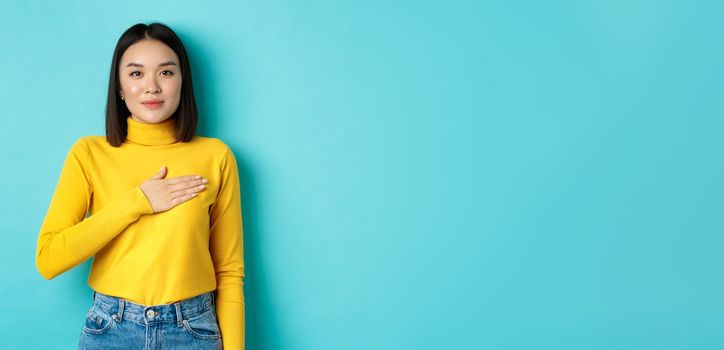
116, 323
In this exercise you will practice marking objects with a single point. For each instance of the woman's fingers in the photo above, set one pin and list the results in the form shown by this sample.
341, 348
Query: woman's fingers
185, 191
180, 179
187, 184
178, 200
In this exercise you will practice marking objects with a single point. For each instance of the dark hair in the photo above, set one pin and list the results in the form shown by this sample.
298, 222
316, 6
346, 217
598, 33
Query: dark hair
116, 110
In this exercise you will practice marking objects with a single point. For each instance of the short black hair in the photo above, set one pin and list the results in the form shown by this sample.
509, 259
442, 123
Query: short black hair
116, 110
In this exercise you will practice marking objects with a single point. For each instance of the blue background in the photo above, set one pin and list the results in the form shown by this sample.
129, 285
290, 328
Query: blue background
415, 174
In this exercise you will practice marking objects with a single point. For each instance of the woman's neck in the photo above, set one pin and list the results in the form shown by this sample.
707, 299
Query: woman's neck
151, 134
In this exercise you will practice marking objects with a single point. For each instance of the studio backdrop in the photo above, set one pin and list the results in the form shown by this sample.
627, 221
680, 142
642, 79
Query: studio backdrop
414, 174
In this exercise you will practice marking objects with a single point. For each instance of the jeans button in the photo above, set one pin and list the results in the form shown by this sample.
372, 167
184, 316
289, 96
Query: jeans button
149, 313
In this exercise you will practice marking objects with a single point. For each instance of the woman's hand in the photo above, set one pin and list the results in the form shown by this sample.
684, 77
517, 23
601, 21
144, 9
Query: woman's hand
164, 194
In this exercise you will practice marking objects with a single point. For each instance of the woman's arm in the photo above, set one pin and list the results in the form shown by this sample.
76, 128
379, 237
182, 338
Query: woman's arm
65, 238
227, 253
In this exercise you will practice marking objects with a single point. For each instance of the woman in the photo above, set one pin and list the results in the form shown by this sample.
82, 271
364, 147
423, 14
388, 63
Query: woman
167, 247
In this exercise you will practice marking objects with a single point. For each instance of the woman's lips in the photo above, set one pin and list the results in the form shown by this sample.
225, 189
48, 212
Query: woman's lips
153, 105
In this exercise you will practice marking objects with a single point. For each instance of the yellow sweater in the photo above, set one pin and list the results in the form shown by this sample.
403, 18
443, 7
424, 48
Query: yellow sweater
140, 256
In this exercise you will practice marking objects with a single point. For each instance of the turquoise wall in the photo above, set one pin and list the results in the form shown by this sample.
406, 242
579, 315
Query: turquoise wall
415, 174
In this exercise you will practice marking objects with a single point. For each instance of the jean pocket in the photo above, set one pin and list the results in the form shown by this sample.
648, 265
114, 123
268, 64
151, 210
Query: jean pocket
203, 326
97, 321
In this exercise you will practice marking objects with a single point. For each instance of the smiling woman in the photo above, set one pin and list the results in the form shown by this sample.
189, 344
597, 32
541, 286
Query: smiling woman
167, 252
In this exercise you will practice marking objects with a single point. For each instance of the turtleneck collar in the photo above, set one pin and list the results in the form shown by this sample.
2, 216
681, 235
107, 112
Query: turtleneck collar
150, 134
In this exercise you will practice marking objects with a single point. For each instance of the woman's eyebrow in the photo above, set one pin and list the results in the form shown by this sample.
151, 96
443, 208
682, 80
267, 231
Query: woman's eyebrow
169, 63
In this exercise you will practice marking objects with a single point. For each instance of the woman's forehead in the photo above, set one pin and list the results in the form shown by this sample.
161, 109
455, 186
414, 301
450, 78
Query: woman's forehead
149, 53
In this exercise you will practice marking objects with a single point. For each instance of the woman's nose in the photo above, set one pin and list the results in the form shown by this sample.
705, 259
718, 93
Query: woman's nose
153, 87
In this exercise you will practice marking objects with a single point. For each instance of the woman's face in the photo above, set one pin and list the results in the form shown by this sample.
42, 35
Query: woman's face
149, 71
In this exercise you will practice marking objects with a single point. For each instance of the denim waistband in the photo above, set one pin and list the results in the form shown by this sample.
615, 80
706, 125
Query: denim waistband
121, 308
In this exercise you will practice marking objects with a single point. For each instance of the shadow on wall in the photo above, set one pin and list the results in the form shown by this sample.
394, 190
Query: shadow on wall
261, 326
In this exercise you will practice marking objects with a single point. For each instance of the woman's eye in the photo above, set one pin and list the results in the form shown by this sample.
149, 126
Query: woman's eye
166, 72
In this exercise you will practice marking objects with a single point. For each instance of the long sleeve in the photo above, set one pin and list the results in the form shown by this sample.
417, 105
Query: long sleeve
66, 237
227, 253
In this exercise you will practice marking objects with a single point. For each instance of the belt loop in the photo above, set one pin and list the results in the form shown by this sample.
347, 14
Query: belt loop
94, 296
121, 306
179, 316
